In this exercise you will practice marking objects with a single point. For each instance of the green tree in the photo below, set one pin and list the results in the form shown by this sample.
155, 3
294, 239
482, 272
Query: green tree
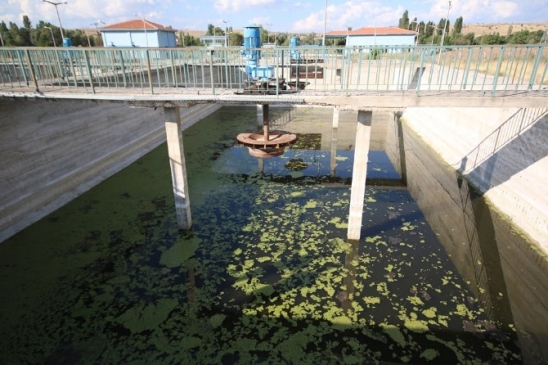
4, 32
308, 39
25, 32
26, 22
491, 39
236, 39
457, 28
429, 29
525, 37
404, 20
443, 24
414, 24
15, 38
470, 38
282, 39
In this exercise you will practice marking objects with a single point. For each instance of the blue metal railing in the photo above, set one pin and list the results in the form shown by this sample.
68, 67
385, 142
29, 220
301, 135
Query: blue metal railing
414, 69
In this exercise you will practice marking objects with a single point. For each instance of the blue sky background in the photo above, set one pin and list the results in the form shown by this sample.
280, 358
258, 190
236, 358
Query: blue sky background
275, 15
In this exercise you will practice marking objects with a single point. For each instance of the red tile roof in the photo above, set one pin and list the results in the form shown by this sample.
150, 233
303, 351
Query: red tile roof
137, 24
372, 31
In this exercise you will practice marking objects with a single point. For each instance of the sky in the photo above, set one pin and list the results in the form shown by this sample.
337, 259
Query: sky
297, 16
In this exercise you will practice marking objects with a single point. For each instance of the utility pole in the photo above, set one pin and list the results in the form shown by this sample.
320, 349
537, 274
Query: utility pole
324, 22
58, 17
444, 28
96, 27
226, 32
52, 37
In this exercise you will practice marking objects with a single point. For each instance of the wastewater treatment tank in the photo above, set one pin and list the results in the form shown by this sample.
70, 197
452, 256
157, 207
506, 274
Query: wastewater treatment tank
265, 276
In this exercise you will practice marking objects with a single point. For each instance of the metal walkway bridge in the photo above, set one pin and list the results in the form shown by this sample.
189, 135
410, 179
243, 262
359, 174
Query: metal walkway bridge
360, 77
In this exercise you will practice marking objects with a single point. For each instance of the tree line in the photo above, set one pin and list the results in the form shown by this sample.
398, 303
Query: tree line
45, 34
431, 33
267, 36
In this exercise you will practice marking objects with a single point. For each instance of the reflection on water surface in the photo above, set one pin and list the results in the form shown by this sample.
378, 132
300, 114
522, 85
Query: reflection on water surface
265, 276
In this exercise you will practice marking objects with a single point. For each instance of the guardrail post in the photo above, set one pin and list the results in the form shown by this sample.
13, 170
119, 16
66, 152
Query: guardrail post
71, 63
149, 72
33, 74
497, 70
88, 67
421, 69
23, 70
211, 71
123, 68
467, 69
173, 69
538, 59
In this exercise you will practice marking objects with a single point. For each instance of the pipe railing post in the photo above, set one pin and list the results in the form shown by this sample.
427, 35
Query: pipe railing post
33, 74
88, 67
211, 71
123, 67
149, 72
22, 66
497, 70
538, 59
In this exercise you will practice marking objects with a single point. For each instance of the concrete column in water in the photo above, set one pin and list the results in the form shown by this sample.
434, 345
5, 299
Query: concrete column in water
177, 164
401, 146
260, 115
334, 137
266, 121
359, 174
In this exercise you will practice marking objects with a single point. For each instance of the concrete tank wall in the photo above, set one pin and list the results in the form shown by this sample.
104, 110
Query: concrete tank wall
496, 237
51, 152
503, 152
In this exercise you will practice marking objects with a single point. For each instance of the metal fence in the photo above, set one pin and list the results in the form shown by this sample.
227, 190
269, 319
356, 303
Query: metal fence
322, 69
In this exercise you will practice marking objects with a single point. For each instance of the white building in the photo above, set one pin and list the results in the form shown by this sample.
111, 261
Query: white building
375, 36
138, 33
213, 40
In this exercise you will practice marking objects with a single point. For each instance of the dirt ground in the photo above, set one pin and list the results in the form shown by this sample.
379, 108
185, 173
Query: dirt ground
502, 28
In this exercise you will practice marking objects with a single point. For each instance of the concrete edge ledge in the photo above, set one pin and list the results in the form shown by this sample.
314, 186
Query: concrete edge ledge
26, 210
33, 207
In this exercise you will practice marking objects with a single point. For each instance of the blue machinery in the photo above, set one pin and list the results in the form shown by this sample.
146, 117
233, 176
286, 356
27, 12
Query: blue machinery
252, 54
262, 79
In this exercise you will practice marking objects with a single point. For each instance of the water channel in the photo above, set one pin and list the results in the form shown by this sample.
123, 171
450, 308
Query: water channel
265, 276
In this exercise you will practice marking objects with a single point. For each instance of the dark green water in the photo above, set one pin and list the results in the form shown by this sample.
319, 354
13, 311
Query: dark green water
265, 276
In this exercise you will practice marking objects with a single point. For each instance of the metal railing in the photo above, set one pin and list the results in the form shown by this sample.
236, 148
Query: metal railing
489, 69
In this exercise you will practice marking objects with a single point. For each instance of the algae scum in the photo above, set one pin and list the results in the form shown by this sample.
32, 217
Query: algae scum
265, 276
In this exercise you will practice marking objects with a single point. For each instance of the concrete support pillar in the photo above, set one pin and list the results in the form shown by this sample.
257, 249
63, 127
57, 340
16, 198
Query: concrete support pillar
260, 115
359, 174
176, 154
334, 137
266, 121
401, 146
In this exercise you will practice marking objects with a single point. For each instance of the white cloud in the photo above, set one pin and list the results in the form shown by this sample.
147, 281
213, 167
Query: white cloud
505, 9
352, 13
313, 21
265, 22
224, 6
475, 10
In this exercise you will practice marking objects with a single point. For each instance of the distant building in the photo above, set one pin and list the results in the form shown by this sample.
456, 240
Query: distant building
375, 36
138, 33
213, 40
